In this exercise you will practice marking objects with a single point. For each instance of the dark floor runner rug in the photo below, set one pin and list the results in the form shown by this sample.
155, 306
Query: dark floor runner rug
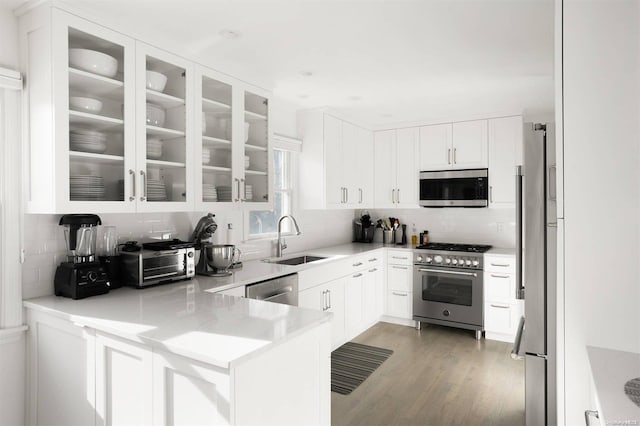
352, 363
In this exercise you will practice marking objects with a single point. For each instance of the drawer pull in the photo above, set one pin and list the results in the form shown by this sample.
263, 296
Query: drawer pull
373, 270
400, 267
357, 264
357, 275
499, 306
502, 265
398, 294
398, 257
373, 260
499, 276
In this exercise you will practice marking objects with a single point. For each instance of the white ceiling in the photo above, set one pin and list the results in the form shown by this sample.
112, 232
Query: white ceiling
406, 60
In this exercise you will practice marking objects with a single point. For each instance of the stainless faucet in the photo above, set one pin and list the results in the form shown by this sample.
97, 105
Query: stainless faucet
281, 245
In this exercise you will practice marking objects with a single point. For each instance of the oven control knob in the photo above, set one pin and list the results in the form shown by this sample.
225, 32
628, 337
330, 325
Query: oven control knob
438, 259
475, 263
429, 259
454, 261
468, 262
447, 260
419, 258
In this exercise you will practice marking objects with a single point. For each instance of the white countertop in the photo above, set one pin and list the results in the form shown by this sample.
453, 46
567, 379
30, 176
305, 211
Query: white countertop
611, 369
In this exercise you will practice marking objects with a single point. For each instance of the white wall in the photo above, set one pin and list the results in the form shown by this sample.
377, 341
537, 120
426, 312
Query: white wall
602, 186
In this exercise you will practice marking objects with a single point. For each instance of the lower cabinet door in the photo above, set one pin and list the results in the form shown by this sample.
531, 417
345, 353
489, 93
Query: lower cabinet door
399, 304
187, 392
501, 319
336, 303
400, 277
124, 382
353, 307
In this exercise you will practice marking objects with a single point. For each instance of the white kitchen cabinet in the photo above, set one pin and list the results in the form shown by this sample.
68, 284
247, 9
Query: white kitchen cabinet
505, 147
373, 295
336, 167
502, 311
328, 297
460, 145
354, 294
399, 284
165, 182
256, 183
124, 384
395, 162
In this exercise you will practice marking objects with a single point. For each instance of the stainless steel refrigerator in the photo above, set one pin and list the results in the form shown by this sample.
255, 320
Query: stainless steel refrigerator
536, 250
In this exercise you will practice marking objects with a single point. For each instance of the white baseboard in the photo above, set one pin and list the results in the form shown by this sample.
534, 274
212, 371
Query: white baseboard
398, 321
508, 338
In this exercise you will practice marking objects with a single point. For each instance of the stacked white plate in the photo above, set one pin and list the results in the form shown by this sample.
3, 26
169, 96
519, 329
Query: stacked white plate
86, 188
209, 192
120, 189
247, 161
87, 141
206, 155
156, 190
248, 192
154, 148
224, 193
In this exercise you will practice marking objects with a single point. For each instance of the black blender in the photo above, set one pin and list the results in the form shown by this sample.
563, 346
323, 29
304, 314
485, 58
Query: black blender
82, 274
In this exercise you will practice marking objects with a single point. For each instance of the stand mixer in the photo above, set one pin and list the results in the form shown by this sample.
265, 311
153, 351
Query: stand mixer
215, 259
82, 274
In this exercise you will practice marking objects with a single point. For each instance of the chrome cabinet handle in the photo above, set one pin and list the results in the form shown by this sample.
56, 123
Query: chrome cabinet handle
490, 194
449, 156
393, 195
590, 413
400, 267
360, 189
357, 275
324, 300
373, 270
329, 294
357, 264
442, 271
346, 195
502, 265
552, 182
144, 185
398, 257
455, 150
238, 188
132, 173
244, 190
398, 294
373, 260
499, 306
499, 276
398, 195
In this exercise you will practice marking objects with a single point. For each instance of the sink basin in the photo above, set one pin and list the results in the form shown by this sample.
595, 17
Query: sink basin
298, 260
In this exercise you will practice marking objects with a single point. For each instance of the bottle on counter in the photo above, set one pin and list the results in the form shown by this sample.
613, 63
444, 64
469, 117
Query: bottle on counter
414, 235
424, 237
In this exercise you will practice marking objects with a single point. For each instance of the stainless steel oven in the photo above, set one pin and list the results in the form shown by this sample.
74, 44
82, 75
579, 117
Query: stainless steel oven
448, 288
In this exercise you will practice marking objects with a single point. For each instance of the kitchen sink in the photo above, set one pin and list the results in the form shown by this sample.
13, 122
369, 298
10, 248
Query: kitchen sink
298, 260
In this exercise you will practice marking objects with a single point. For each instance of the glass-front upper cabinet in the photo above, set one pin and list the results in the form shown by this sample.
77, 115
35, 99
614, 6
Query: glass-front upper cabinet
256, 184
81, 107
164, 131
214, 129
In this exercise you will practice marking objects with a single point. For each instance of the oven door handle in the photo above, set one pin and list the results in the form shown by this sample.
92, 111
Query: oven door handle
439, 271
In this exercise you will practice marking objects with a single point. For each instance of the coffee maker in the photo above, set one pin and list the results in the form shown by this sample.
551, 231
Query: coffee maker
82, 274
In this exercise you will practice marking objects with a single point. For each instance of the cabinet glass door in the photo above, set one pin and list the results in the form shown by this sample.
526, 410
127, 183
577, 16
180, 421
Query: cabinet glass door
216, 149
255, 184
165, 108
97, 109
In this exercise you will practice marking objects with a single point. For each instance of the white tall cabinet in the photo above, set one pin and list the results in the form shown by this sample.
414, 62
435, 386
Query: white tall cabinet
505, 152
396, 166
336, 162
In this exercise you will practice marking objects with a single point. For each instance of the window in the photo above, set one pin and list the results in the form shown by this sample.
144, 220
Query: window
264, 223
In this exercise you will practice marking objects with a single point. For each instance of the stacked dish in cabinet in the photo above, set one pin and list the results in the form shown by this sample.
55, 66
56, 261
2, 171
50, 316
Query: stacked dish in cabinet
96, 118
256, 160
166, 147
216, 140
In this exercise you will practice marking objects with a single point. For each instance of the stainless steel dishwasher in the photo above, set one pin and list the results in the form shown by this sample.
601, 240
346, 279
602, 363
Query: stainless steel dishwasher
278, 290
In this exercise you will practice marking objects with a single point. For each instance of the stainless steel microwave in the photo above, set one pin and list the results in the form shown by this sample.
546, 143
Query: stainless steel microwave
455, 188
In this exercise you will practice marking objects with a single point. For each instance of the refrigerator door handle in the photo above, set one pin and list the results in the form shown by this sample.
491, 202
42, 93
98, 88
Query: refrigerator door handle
552, 182
519, 285
589, 413
515, 352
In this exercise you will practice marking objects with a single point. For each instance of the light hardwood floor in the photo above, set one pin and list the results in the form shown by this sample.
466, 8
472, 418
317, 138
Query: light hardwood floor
436, 376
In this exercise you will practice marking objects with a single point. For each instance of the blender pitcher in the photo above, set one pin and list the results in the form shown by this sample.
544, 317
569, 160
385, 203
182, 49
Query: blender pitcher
80, 235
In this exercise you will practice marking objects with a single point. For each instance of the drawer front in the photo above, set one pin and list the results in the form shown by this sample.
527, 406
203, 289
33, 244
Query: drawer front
400, 277
399, 304
503, 264
501, 318
400, 257
499, 287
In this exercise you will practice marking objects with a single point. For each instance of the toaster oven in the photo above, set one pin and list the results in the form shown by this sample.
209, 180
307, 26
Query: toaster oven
148, 267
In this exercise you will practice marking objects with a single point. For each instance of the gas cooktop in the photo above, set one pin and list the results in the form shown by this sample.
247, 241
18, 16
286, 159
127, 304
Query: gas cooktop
468, 248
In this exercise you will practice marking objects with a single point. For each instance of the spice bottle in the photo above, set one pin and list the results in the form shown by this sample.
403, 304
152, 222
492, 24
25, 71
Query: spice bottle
414, 236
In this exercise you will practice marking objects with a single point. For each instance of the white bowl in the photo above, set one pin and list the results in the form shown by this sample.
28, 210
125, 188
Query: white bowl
156, 81
79, 103
247, 161
155, 115
246, 132
204, 123
93, 61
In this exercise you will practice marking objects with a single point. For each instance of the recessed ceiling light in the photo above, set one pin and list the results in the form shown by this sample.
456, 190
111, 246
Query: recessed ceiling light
306, 73
230, 34
303, 96
355, 98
